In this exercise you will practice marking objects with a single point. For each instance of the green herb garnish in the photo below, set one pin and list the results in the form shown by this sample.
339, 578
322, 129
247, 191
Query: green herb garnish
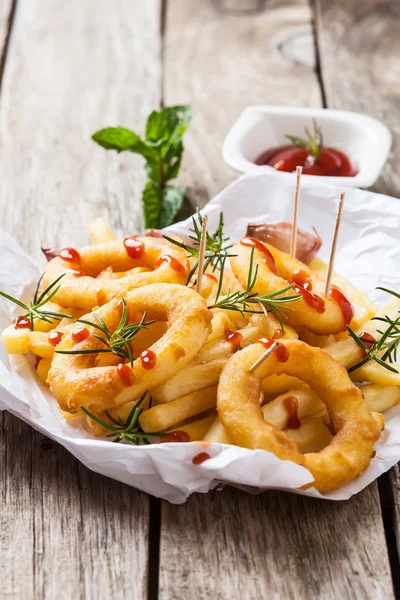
162, 149
247, 302
313, 141
35, 309
216, 251
384, 350
128, 430
118, 342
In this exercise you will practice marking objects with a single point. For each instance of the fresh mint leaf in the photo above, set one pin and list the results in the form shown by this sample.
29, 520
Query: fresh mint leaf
116, 138
152, 198
171, 203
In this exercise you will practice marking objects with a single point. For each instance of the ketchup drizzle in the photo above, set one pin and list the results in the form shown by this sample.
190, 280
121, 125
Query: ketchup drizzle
173, 263
212, 277
148, 358
269, 259
126, 374
291, 406
200, 458
55, 337
316, 302
70, 255
22, 323
134, 248
345, 306
368, 340
175, 436
234, 338
282, 353
302, 279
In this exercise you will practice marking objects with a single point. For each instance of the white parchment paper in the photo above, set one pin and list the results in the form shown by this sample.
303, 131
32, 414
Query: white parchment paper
368, 255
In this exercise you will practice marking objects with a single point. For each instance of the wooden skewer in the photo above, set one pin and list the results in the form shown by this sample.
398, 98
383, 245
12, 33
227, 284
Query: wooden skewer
202, 252
293, 241
264, 356
334, 244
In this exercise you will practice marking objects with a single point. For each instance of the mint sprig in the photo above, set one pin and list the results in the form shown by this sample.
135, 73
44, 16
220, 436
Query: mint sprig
162, 149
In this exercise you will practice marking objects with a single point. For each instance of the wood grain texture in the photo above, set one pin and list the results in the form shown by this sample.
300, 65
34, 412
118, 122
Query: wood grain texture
359, 47
233, 545
66, 532
221, 61
71, 70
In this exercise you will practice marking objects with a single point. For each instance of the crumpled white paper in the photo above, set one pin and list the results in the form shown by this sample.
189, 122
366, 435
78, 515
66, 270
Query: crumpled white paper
368, 255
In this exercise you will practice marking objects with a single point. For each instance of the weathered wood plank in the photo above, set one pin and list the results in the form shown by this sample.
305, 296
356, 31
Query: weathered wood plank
234, 545
274, 545
359, 48
6, 9
64, 531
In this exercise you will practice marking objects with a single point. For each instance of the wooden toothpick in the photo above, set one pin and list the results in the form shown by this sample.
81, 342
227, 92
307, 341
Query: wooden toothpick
334, 244
202, 252
264, 356
293, 241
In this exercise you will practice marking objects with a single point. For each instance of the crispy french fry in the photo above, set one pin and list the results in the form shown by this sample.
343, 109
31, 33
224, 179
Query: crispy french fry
147, 337
219, 324
99, 231
364, 309
164, 416
309, 405
43, 368
217, 433
375, 373
311, 436
196, 429
221, 349
274, 385
16, 340
269, 326
379, 398
189, 380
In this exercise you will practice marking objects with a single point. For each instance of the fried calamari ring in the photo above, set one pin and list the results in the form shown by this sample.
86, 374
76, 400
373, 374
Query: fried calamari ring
315, 311
74, 379
351, 449
80, 288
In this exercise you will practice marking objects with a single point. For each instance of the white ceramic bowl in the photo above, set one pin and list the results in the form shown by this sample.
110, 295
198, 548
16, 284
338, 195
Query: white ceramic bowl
365, 140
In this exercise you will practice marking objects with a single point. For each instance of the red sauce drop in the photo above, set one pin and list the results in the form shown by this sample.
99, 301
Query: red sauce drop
79, 334
212, 277
316, 302
175, 436
368, 340
234, 338
148, 359
70, 255
76, 273
55, 337
278, 334
22, 323
302, 278
330, 162
270, 261
134, 247
126, 374
345, 306
200, 458
291, 405
282, 353
173, 263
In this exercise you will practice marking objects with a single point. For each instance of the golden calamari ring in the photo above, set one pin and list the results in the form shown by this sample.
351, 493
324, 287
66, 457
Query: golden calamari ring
76, 381
315, 311
351, 449
162, 261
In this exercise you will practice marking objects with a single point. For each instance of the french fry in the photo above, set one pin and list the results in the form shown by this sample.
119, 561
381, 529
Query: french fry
220, 348
309, 405
219, 324
269, 326
311, 436
43, 369
16, 340
196, 429
164, 416
375, 373
99, 231
379, 398
364, 309
274, 385
147, 337
217, 434
189, 380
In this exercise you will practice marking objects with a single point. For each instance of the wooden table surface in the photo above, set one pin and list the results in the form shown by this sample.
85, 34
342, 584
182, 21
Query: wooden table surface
69, 68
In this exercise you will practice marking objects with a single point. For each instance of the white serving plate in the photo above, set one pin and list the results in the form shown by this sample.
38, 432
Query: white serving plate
364, 139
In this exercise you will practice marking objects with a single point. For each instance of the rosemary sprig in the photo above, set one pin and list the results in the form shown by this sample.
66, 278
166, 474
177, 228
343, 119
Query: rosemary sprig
118, 342
384, 350
313, 141
129, 430
35, 309
216, 245
246, 302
